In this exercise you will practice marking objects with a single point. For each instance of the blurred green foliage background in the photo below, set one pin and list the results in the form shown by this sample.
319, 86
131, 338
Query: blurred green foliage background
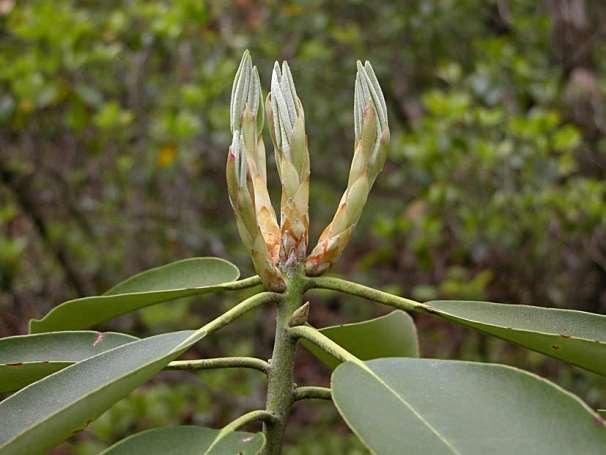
113, 135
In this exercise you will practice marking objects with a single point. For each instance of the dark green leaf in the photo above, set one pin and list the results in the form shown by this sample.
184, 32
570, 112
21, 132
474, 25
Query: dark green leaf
26, 358
576, 337
195, 276
187, 440
426, 406
46, 412
392, 335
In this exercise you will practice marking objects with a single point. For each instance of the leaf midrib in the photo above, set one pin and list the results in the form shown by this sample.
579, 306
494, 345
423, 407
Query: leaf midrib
412, 409
73, 403
498, 325
57, 311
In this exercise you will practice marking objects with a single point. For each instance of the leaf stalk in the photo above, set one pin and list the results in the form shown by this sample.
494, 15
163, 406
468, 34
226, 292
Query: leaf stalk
220, 362
245, 283
312, 393
359, 290
323, 342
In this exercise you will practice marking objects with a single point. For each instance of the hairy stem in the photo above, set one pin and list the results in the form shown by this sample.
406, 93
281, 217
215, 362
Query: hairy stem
252, 416
244, 283
230, 315
239, 309
219, 362
323, 342
312, 392
259, 414
359, 290
280, 380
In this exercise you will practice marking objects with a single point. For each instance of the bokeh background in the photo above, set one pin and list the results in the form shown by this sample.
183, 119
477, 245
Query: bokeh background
113, 136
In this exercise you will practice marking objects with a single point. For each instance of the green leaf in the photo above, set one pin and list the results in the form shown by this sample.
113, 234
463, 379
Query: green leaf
46, 412
392, 335
187, 440
576, 337
195, 276
26, 358
438, 407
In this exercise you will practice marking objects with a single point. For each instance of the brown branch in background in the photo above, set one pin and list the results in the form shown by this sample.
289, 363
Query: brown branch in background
21, 188
574, 43
572, 34
576, 33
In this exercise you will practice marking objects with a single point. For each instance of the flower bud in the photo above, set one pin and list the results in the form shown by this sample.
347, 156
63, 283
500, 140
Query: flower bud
371, 137
286, 121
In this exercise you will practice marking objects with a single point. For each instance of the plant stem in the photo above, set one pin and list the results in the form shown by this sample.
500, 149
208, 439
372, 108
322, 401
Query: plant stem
251, 416
230, 315
220, 362
359, 290
259, 414
312, 392
239, 309
323, 342
244, 283
280, 379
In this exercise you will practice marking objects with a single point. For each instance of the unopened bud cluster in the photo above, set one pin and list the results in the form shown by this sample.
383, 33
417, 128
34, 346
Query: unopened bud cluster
275, 248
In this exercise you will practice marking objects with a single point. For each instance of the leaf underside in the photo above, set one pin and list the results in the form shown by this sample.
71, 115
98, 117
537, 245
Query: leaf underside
27, 358
576, 337
187, 440
450, 407
391, 335
184, 278
46, 412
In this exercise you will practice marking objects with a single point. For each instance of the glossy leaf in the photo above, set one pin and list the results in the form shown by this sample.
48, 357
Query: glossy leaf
576, 337
188, 277
187, 440
26, 358
445, 407
392, 335
46, 412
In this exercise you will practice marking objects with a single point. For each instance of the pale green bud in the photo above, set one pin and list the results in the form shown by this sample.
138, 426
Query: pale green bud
247, 114
286, 120
299, 316
371, 136
276, 249
370, 118
246, 175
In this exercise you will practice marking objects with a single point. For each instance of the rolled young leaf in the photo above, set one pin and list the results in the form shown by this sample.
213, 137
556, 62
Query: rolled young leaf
370, 151
46, 412
286, 119
246, 176
247, 118
184, 278
445, 407
391, 335
27, 358
576, 337
187, 440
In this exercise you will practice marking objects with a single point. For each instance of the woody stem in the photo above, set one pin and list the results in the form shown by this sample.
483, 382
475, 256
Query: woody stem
280, 393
